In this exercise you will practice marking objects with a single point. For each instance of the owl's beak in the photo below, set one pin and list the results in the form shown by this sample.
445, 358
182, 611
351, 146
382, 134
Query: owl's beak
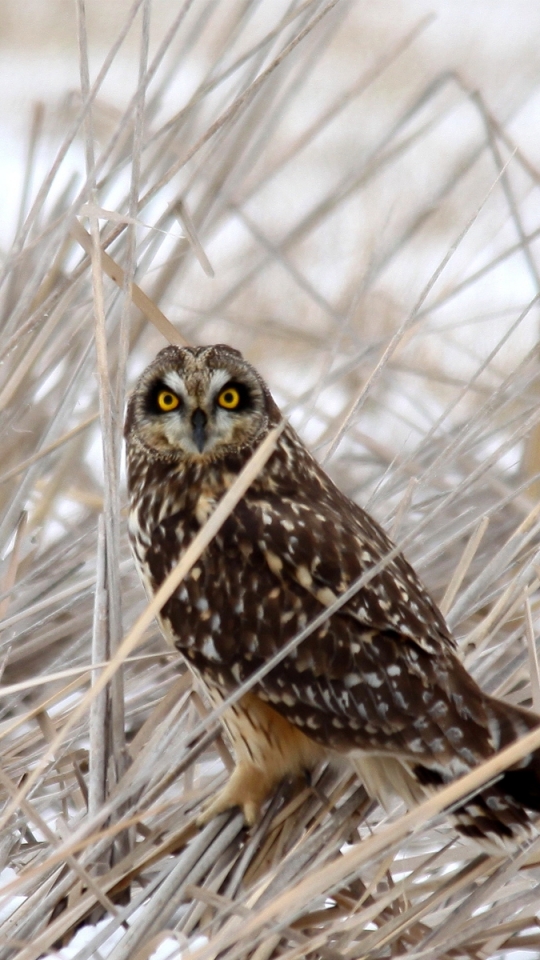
198, 422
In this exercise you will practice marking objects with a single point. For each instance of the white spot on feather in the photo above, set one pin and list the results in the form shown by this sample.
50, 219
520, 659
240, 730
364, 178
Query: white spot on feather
304, 577
374, 679
326, 596
274, 562
204, 508
208, 649
288, 700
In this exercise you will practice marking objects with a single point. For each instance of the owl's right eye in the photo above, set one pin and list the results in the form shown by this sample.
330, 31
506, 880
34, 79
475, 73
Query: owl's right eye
167, 400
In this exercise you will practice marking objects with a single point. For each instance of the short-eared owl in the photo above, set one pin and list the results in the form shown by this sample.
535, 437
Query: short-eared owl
379, 682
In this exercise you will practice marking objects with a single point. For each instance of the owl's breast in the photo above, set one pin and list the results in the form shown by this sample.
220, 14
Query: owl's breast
225, 607
231, 612
235, 608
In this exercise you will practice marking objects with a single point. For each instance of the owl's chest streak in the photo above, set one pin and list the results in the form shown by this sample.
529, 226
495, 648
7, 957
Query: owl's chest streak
233, 611
230, 606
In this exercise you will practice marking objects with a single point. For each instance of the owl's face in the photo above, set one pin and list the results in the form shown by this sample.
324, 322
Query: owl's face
199, 403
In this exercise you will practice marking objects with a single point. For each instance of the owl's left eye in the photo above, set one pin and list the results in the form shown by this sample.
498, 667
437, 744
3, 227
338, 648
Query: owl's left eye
229, 398
167, 400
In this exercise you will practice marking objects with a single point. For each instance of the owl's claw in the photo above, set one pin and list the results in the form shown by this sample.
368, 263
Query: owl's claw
248, 788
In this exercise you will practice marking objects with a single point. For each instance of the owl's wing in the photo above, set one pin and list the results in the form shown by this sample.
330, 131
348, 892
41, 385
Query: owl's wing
325, 546
380, 674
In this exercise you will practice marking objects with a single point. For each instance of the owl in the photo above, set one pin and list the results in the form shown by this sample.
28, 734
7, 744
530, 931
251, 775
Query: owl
379, 685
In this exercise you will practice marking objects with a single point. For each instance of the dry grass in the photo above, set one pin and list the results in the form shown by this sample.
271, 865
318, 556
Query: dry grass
366, 234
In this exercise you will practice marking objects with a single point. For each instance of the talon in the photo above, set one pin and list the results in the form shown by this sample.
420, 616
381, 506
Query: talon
247, 789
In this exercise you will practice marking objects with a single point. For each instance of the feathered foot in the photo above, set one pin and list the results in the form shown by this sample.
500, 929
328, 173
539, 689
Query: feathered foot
247, 788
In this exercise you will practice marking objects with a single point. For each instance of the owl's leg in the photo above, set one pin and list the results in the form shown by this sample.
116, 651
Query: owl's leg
247, 788
268, 748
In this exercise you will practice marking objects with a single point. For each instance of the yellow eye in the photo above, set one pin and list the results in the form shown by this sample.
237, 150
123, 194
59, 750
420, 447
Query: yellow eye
229, 398
167, 401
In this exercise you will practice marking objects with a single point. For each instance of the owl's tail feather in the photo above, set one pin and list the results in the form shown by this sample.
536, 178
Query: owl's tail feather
522, 781
497, 816
499, 812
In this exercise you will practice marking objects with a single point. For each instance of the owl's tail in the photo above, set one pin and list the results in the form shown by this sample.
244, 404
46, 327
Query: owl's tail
499, 815
499, 812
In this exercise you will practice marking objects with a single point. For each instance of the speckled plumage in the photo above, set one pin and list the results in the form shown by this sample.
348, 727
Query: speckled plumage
379, 682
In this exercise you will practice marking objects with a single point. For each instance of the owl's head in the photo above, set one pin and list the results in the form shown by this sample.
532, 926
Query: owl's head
199, 403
